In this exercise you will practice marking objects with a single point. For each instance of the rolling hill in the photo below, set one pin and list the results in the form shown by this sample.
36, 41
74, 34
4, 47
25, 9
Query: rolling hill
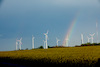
86, 56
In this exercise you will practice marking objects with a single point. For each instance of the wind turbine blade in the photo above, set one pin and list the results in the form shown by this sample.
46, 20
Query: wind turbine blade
90, 34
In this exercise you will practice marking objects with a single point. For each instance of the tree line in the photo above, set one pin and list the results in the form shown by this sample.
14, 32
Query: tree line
90, 44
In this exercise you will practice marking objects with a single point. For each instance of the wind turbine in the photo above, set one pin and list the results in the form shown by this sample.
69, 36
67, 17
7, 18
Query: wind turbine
82, 39
92, 37
33, 42
20, 43
46, 38
57, 41
88, 39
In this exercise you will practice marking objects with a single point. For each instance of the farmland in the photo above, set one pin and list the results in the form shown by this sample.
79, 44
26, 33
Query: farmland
69, 56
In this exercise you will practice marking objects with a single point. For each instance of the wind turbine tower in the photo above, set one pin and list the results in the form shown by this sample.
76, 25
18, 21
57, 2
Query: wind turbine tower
97, 30
82, 39
20, 43
57, 41
46, 38
33, 42
92, 37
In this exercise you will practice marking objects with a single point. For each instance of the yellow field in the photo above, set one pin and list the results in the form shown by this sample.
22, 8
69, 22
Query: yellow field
83, 55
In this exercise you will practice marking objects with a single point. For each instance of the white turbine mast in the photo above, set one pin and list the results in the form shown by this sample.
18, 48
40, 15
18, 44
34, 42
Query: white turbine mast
92, 37
46, 38
82, 39
44, 43
57, 41
20, 43
33, 41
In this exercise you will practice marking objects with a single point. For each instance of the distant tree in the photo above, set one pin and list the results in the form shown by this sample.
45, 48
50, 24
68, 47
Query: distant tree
41, 47
26, 49
77, 45
56, 46
48, 46
88, 44
94, 44
83, 44
18, 49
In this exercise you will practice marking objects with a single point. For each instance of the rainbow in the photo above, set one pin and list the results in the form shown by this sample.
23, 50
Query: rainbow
70, 30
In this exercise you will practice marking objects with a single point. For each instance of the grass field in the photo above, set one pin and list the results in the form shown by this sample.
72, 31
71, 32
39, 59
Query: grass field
70, 56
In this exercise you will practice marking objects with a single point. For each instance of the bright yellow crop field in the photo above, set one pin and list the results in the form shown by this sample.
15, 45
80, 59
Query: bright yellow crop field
85, 55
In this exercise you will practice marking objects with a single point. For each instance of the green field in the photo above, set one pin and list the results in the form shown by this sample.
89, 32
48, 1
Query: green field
69, 56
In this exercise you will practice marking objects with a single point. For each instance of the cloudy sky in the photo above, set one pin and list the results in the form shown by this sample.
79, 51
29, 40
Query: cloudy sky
24, 18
